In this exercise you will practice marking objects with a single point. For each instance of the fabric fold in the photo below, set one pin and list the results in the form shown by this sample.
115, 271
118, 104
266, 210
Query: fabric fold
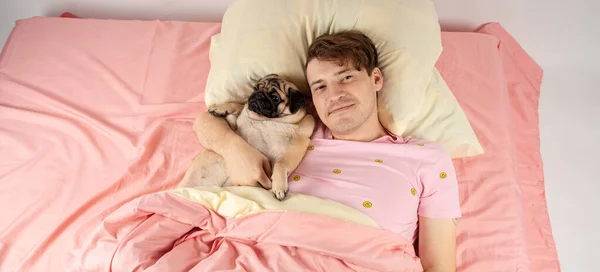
172, 231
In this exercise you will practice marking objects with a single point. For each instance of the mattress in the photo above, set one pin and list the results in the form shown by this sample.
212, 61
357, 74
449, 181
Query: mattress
95, 113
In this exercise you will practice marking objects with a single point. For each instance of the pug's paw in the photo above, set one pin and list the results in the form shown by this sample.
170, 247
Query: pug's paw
217, 112
223, 110
280, 184
280, 192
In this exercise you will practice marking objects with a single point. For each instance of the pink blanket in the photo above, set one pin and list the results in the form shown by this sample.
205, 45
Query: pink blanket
95, 113
165, 232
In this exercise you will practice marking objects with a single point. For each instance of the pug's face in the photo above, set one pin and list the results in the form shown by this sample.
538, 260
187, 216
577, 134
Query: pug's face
274, 97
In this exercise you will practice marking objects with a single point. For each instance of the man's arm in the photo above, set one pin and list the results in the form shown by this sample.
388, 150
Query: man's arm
214, 133
437, 244
245, 165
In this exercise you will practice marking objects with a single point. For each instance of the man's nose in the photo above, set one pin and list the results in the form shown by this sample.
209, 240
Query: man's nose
336, 92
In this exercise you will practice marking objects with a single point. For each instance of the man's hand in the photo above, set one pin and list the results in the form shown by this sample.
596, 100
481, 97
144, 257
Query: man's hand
245, 165
437, 244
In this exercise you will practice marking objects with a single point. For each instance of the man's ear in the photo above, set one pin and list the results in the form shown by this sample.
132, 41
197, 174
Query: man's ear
377, 77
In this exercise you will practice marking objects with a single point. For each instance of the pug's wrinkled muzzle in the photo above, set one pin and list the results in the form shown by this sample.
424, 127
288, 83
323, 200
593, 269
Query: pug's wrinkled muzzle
260, 103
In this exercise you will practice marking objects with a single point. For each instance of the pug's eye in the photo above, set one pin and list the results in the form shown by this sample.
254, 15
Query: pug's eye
275, 98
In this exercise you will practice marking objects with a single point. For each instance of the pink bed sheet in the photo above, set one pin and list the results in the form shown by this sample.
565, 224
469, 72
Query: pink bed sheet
505, 224
94, 113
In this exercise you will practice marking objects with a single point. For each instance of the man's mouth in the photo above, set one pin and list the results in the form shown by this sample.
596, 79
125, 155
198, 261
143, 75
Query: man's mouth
340, 109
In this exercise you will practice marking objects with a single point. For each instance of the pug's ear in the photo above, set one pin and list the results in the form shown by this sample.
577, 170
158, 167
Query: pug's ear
296, 100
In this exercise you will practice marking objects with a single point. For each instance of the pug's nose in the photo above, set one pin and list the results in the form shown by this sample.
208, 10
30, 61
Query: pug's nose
261, 104
264, 101
259, 101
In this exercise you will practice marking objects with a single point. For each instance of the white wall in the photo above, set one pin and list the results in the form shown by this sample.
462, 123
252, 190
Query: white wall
559, 34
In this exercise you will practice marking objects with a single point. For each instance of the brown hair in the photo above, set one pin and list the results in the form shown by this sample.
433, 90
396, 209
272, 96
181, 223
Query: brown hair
346, 47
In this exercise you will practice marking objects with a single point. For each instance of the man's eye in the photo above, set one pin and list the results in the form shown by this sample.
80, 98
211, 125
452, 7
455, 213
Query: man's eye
319, 88
347, 77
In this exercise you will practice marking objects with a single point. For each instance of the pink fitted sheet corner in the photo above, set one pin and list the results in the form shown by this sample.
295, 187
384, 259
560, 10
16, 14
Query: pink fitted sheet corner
505, 218
524, 78
526, 65
491, 228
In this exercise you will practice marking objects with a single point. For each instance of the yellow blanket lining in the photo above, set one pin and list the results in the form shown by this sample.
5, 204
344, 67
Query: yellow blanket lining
239, 201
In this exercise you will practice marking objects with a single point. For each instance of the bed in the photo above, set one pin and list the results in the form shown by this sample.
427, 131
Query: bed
97, 113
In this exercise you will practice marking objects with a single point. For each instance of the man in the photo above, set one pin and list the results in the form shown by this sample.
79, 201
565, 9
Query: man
407, 186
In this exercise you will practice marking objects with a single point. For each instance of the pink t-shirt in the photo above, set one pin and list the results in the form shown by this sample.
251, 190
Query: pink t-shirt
391, 179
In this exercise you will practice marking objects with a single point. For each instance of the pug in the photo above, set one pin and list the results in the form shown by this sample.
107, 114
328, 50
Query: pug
274, 120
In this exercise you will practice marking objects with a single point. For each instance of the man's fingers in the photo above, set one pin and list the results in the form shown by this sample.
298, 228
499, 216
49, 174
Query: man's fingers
265, 181
253, 183
245, 181
266, 167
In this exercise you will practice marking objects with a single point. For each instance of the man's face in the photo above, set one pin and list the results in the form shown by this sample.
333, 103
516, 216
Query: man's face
344, 97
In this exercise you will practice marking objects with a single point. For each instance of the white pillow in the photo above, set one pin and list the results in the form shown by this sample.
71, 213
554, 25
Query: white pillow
260, 37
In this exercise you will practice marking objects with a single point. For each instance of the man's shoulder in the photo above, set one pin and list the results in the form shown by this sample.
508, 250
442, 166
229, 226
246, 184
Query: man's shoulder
429, 151
430, 145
